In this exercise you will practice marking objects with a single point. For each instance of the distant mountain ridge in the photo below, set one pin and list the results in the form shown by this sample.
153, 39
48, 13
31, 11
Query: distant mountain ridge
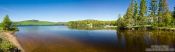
38, 23
48, 23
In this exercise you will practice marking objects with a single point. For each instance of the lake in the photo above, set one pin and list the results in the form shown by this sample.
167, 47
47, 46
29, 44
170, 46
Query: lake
64, 39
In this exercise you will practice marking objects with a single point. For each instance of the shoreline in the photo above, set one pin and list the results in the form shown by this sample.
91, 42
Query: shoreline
10, 36
147, 28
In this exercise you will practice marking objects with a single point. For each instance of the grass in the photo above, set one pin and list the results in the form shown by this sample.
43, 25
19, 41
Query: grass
5, 45
0, 28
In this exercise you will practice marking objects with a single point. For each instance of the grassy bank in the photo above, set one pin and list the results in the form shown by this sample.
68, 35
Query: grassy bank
0, 28
5, 45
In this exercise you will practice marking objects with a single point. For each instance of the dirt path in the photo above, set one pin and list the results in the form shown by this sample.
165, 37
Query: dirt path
12, 38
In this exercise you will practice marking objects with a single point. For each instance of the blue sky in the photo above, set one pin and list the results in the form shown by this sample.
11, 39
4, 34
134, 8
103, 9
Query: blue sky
64, 10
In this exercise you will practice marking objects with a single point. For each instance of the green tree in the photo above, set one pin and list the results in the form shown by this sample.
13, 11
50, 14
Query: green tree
136, 13
173, 21
128, 17
153, 11
174, 13
8, 25
165, 17
120, 22
143, 12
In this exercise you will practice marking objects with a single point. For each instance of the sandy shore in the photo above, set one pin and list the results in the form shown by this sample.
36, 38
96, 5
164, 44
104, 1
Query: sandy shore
12, 38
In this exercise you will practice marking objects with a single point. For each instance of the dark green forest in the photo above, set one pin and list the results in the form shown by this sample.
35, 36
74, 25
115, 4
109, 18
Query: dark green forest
149, 13
94, 23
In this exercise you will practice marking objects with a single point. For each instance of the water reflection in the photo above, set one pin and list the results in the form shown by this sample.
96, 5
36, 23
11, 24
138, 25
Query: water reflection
140, 40
64, 39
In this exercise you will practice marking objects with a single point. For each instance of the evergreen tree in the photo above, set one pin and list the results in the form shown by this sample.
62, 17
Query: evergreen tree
165, 17
153, 11
174, 13
173, 21
7, 24
120, 22
136, 13
128, 17
143, 11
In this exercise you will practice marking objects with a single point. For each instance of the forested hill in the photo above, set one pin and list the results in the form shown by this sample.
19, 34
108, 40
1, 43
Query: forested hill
38, 23
92, 22
47, 23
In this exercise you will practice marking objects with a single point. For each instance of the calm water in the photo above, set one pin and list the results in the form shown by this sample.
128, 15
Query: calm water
63, 39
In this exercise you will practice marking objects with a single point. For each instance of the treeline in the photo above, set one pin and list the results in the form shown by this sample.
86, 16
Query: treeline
93, 23
39, 23
153, 13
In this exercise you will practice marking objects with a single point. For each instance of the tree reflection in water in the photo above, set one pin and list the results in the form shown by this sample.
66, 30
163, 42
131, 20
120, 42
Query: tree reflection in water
140, 40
